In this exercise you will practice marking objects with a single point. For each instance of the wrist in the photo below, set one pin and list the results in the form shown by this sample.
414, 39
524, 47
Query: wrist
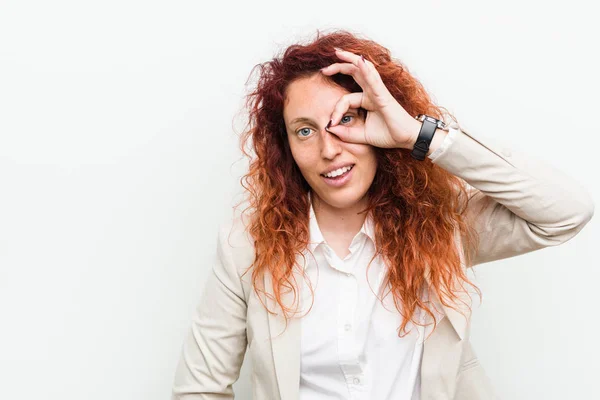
436, 141
411, 129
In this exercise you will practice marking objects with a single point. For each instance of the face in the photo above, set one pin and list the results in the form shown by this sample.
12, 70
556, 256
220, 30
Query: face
307, 110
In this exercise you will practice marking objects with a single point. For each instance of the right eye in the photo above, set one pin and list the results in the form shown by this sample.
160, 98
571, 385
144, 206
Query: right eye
304, 130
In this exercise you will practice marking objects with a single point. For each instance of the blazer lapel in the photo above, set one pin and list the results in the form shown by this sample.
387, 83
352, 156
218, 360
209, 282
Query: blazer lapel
459, 322
441, 360
285, 344
442, 351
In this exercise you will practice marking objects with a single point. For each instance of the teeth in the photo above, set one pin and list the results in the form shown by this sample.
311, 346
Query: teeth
338, 172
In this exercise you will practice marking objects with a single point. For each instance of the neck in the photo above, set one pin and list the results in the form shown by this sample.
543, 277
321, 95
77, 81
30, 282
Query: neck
339, 221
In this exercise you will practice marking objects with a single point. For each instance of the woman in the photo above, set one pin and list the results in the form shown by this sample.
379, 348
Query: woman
347, 277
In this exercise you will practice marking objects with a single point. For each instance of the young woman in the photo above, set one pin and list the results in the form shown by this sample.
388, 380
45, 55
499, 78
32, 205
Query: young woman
346, 274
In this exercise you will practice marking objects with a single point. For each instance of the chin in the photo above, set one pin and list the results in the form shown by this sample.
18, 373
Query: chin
342, 198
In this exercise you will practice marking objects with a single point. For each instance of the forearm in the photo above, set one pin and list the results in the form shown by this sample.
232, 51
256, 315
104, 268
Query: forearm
438, 137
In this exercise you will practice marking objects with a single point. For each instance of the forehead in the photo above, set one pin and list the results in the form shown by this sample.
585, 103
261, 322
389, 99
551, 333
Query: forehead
310, 97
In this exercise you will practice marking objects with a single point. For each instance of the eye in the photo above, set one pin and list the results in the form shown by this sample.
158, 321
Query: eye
304, 129
346, 116
307, 130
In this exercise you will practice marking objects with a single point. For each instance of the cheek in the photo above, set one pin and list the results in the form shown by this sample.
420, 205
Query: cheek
369, 162
373, 161
303, 157
366, 155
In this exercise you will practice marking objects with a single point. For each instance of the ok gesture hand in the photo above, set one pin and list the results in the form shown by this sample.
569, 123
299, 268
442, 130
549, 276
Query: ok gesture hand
387, 125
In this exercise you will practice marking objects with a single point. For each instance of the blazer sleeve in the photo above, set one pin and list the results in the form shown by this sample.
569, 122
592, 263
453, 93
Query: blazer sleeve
214, 349
517, 204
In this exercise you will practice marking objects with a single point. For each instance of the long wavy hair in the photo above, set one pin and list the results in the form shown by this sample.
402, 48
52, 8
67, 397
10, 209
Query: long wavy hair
417, 207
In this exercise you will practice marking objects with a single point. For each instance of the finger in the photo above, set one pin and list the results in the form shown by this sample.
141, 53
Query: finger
372, 82
362, 70
347, 101
349, 134
369, 74
347, 56
359, 61
347, 69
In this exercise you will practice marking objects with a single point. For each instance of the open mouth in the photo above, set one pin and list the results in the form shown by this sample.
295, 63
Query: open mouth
340, 176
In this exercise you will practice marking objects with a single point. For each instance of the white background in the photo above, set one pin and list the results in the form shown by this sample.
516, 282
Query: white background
119, 159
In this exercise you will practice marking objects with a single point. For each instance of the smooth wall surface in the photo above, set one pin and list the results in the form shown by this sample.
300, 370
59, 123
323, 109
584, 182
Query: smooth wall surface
119, 159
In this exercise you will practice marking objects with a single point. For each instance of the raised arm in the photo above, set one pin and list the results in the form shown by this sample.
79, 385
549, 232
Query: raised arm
518, 204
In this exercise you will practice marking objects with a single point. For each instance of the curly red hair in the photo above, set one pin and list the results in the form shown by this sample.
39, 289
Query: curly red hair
416, 205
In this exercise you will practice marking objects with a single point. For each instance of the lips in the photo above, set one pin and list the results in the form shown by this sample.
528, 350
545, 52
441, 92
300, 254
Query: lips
343, 166
339, 181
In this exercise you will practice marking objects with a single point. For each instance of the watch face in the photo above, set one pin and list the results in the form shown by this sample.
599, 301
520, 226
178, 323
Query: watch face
423, 117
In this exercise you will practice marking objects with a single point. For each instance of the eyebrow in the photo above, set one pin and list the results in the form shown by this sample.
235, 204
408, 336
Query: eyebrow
302, 120
310, 121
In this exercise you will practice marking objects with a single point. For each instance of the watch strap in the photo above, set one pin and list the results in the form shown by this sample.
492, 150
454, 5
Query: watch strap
425, 137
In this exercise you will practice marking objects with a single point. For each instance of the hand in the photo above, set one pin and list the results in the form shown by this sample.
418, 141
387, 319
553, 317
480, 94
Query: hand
387, 125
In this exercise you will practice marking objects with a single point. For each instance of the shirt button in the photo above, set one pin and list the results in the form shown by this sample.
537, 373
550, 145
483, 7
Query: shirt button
356, 381
348, 327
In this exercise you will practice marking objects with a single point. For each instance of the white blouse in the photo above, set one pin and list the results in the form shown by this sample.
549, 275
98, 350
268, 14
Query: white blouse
350, 347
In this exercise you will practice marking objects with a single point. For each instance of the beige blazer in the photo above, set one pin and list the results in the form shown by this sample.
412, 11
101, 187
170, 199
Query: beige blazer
534, 206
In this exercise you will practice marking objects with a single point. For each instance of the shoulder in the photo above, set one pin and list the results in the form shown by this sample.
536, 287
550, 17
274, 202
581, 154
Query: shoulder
234, 244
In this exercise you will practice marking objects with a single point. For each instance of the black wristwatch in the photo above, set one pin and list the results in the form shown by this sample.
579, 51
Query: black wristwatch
425, 137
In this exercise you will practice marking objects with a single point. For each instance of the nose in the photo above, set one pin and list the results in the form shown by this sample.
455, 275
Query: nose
331, 145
